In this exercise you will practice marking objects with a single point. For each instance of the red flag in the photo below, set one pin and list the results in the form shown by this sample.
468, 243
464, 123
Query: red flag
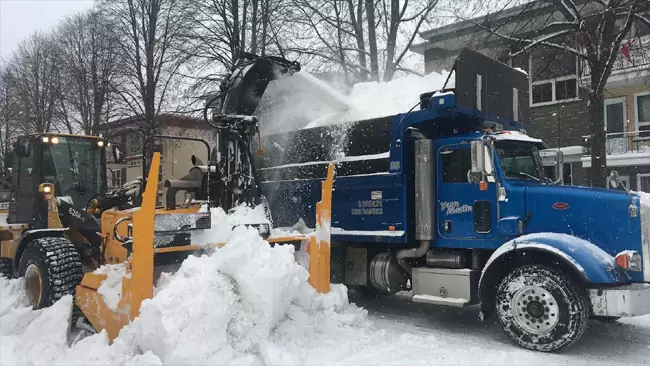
625, 49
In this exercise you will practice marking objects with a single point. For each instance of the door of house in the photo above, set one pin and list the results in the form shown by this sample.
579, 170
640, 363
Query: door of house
615, 125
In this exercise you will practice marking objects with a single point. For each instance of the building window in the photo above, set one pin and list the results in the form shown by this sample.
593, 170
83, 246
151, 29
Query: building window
117, 177
642, 109
615, 120
134, 144
643, 182
553, 76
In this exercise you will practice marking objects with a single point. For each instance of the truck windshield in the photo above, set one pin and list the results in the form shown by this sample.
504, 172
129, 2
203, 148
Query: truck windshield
74, 166
520, 160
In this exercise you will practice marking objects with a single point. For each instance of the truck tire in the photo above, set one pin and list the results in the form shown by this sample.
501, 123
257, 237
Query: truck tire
6, 269
541, 309
51, 268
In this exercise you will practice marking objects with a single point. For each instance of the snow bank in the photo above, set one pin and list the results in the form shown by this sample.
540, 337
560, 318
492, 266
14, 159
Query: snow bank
246, 303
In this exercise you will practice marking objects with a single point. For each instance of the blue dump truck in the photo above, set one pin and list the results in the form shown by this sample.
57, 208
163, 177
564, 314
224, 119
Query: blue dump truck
450, 202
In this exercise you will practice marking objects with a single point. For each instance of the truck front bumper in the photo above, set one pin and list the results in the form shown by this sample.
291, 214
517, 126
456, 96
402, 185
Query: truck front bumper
622, 301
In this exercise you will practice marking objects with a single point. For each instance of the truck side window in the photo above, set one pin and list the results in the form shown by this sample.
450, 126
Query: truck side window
455, 165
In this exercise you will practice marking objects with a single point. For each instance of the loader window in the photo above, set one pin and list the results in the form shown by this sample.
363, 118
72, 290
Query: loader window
74, 166
455, 165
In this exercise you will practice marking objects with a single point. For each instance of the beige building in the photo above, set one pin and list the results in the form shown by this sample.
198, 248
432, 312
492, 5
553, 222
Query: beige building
175, 154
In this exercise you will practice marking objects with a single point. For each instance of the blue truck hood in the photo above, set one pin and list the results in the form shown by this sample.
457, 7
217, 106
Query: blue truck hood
600, 216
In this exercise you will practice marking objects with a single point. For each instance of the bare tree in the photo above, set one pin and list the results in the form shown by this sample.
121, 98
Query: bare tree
34, 86
349, 33
89, 57
7, 118
398, 18
592, 31
150, 37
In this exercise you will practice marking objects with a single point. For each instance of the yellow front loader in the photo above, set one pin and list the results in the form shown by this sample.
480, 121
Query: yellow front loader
138, 281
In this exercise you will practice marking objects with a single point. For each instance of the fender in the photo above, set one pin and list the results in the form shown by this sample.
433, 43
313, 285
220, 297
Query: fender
30, 235
591, 263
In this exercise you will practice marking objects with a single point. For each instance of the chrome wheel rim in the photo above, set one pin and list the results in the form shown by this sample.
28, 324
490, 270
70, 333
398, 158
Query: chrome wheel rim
33, 284
535, 309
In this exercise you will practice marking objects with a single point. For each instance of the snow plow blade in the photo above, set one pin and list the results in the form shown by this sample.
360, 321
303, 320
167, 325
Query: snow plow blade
138, 282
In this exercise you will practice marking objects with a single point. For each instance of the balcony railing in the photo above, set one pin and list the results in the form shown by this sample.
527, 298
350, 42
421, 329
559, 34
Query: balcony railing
639, 58
621, 143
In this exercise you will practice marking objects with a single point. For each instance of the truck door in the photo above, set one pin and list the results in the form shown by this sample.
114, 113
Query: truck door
464, 210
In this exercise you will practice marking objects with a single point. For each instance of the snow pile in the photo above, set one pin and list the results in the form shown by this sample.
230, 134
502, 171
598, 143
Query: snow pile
380, 99
111, 288
222, 223
246, 303
302, 101
645, 198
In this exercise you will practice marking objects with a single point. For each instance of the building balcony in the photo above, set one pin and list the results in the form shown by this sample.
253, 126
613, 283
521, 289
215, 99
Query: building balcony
629, 69
623, 149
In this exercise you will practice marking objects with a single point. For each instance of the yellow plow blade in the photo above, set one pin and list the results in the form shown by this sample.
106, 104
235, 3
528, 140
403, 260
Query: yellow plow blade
137, 285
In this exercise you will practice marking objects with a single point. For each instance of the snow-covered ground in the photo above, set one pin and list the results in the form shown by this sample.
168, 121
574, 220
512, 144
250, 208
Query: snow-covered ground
250, 304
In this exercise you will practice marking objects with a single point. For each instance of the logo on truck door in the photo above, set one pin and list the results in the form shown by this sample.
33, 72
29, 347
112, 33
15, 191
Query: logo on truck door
454, 208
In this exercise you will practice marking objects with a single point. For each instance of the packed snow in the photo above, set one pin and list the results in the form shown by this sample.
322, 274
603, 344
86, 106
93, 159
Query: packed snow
111, 287
249, 303
246, 303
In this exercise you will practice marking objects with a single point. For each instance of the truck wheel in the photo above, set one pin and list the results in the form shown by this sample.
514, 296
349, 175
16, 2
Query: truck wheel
51, 268
541, 309
6, 267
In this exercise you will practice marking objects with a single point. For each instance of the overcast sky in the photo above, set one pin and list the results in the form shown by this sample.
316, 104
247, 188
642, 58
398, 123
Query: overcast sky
20, 18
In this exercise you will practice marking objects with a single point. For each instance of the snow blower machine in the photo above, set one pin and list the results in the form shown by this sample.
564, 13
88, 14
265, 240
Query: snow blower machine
66, 235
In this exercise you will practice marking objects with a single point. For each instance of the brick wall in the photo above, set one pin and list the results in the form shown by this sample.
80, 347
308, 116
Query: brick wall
573, 123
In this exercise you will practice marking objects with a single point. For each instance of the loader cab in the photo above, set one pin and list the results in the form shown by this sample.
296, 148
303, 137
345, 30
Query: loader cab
74, 165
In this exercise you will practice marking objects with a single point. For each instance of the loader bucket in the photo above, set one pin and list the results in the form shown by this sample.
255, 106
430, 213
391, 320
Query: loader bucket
138, 282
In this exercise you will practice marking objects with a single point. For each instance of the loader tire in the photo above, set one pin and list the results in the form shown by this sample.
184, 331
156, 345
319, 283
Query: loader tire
51, 268
6, 268
541, 309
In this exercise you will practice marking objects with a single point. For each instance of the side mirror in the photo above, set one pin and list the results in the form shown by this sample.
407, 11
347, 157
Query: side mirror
22, 146
478, 171
118, 157
614, 179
